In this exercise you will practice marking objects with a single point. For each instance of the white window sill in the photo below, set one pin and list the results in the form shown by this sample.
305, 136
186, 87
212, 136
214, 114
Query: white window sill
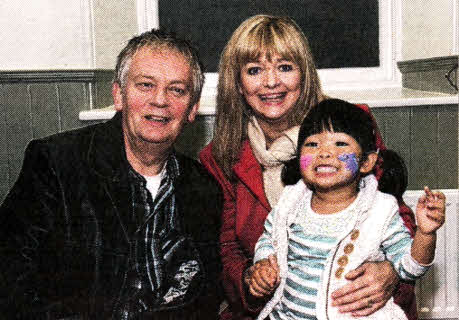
380, 97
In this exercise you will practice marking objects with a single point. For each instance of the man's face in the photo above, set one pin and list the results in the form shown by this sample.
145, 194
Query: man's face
155, 100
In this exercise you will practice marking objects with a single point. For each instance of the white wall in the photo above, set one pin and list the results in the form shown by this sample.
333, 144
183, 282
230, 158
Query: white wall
70, 34
43, 34
429, 28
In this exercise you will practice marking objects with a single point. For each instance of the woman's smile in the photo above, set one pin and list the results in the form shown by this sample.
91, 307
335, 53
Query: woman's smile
271, 87
273, 97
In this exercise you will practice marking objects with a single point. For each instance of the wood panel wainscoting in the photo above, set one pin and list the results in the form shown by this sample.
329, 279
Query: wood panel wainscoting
35, 104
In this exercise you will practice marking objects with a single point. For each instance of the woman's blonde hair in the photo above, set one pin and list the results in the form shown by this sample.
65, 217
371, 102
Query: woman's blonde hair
256, 36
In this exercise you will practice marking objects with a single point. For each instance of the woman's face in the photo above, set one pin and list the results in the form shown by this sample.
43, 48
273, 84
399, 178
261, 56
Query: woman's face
271, 88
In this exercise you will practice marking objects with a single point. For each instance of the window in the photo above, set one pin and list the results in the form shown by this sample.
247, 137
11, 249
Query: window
352, 41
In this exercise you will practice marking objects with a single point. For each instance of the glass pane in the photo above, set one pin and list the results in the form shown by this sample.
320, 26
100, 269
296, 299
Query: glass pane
342, 33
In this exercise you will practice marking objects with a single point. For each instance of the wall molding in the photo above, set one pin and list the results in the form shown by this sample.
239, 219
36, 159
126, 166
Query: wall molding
430, 74
93, 75
147, 15
427, 64
456, 27
88, 34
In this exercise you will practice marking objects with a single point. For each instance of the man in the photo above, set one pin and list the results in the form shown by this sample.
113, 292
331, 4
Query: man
107, 221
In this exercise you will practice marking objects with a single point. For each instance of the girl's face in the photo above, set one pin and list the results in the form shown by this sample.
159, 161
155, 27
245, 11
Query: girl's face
271, 88
330, 160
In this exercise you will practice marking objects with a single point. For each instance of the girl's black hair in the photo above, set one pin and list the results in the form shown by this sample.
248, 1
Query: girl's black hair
336, 115
395, 174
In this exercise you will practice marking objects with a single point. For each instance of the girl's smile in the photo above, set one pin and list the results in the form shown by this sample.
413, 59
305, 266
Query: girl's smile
330, 160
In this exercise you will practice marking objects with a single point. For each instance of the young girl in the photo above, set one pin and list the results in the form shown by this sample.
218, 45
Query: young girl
334, 219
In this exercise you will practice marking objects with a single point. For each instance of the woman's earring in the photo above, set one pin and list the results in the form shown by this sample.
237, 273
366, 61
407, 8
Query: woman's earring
362, 184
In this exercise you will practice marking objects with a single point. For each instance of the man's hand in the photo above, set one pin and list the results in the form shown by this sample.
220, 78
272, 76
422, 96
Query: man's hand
263, 277
373, 283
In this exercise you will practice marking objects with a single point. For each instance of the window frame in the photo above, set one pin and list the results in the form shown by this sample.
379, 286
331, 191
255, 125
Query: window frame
386, 75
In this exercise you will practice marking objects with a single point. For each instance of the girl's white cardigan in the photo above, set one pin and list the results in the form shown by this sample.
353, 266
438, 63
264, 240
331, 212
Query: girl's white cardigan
375, 210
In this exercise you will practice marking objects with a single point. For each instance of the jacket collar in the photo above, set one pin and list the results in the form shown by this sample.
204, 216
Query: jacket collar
107, 154
107, 159
249, 171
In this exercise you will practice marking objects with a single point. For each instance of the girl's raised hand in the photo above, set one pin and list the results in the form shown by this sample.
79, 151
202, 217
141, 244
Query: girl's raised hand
430, 211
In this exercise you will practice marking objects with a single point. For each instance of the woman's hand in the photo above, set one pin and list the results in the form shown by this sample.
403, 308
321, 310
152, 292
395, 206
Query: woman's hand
372, 284
263, 277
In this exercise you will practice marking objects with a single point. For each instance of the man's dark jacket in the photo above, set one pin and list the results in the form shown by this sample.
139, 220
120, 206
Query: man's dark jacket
66, 227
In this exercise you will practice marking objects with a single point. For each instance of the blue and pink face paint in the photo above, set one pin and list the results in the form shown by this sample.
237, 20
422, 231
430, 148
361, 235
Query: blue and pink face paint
305, 161
350, 159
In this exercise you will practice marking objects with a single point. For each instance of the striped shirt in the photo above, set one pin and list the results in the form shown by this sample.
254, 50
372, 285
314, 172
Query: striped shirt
311, 238
155, 217
162, 264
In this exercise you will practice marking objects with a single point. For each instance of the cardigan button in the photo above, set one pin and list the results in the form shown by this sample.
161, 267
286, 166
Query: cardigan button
339, 272
343, 260
348, 248
355, 234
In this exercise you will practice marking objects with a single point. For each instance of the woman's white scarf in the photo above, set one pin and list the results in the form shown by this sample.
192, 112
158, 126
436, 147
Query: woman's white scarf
272, 160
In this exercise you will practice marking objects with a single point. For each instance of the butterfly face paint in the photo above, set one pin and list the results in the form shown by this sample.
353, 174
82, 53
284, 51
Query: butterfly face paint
351, 160
305, 161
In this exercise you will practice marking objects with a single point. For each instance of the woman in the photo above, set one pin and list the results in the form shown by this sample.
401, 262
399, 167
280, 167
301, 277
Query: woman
267, 84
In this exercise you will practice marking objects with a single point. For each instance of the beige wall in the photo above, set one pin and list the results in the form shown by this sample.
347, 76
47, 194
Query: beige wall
115, 22
428, 28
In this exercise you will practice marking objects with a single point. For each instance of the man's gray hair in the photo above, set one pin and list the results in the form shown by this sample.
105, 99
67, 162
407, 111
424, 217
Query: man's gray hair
158, 39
